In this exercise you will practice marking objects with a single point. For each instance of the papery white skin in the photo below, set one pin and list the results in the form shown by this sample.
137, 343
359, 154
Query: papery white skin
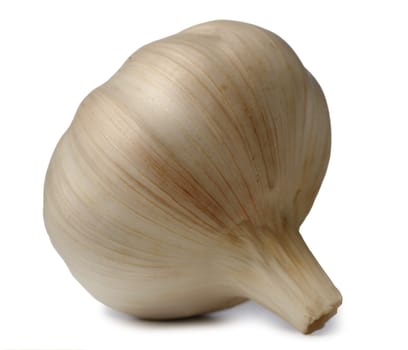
180, 186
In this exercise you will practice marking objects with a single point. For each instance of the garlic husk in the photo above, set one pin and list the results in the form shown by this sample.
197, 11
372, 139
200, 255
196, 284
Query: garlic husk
180, 185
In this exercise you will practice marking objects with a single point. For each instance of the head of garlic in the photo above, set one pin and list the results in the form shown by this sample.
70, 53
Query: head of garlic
180, 185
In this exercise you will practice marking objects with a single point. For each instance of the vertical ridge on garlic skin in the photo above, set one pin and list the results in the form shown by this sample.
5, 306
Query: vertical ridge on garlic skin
182, 181
189, 138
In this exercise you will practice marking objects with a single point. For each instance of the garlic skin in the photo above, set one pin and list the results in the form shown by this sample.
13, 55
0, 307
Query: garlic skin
180, 185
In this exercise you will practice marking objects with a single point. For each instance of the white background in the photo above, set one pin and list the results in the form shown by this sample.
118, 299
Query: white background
53, 53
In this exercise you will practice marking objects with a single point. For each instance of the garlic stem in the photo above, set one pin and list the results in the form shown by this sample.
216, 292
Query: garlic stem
285, 277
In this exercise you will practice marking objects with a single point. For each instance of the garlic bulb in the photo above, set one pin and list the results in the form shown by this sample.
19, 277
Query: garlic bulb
180, 186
